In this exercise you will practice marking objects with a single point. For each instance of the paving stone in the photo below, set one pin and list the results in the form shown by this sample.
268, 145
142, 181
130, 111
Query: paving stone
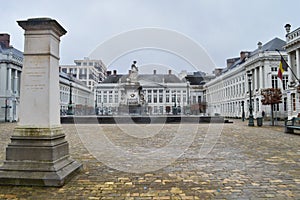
244, 163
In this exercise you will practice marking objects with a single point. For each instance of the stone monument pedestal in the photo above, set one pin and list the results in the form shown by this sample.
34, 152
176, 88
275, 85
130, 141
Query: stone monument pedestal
38, 153
38, 156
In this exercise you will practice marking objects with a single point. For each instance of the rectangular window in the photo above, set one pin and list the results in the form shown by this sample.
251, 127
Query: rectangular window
167, 98
199, 99
284, 81
285, 104
110, 98
276, 107
293, 97
194, 99
155, 109
178, 98
116, 98
155, 98
173, 98
160, 97
149, 98
104, 98
161, 109
274, 81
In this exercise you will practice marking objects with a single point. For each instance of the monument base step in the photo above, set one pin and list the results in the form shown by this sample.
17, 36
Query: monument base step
39, 178
38, 157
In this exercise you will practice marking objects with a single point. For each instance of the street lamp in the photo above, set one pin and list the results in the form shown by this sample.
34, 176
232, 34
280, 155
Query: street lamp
70, 106
243, 111
96, 109
251, 120
175, 106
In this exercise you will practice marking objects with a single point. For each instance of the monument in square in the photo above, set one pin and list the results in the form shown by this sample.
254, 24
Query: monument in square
38, 153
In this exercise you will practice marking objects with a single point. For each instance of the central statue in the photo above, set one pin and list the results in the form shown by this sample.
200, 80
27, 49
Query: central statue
134, 72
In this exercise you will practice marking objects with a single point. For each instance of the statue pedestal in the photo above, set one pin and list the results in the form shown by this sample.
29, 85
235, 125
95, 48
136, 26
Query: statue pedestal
38, 156
38, 153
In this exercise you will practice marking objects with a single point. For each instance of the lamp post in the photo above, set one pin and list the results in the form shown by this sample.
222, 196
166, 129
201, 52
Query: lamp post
96, 101
175, 106
251, 120
70, 106
243, 111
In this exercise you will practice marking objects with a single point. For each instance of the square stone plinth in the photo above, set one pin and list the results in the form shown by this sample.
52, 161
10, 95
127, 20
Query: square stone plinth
38, 156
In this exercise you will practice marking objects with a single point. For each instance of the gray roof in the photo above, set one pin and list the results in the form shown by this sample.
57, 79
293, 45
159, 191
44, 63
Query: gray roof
272, 45
156, 78
14, 51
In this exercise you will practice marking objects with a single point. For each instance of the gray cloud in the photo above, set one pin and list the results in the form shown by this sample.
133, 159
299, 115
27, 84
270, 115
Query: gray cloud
222, 27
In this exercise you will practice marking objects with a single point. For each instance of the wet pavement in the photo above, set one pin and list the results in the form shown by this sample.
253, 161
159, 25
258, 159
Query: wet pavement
174, 161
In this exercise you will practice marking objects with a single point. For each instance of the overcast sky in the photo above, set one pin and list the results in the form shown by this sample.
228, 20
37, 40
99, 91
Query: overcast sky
222, 27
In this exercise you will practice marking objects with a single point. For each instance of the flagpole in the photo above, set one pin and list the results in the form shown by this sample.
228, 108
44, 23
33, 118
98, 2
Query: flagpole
288, 66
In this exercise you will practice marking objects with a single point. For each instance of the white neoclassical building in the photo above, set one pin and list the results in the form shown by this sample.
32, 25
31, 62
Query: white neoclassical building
228, 93
292, 48
73, 92
11, 61
154, 94
88, 71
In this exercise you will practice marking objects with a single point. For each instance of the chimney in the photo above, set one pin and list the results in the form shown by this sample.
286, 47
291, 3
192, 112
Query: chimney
115, 72
154, 71
5, 39
244, 54
231, 61
108, 73
259, 45
287, 28
170, 72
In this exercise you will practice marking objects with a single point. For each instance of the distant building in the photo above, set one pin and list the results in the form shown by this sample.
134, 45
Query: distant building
134, 93
228, 93
82, 98
292, 48
11, 61
196, 81
90, 72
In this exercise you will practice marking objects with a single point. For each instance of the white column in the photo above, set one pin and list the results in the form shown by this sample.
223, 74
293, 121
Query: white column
77, 72
254, 76
9, 81
3, 78
298, 63
261, 79
291, 76
15, 89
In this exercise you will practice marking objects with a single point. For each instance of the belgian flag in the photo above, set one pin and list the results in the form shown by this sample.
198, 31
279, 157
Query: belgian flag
283, 66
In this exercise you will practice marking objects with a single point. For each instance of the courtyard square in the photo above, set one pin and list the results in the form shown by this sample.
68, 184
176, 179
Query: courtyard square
239, 162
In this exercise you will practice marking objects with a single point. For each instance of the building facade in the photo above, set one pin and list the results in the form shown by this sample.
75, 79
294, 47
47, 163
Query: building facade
134, 93
228, 93
11, 61
75, 94
88, 71
292, 48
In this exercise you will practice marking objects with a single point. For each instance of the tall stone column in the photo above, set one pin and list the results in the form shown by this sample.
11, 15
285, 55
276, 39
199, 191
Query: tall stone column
38, 153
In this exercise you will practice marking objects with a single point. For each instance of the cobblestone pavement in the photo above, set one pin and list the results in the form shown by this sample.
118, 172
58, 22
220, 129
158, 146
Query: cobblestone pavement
246, 163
